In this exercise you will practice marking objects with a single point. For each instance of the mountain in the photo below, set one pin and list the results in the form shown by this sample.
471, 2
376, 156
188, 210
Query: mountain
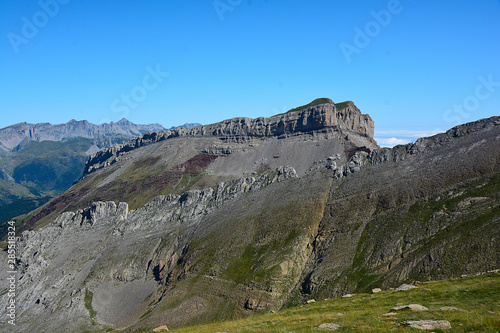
220, 221
187, 125
44, 160
173, 161
12, 136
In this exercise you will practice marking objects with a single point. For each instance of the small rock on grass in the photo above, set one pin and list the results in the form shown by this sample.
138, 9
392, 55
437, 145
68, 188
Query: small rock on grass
329, 326
405, 287
311, 301
389, 314
348, 295
449, 308
376, 290
427, 324
411, 307
163, 328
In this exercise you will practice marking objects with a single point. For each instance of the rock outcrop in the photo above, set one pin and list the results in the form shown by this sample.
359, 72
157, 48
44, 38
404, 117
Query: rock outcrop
90, 251
322, 118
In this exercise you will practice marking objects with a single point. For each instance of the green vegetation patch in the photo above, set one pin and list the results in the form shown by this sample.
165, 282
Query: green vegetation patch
317, 101
88, 304
477, 298
343, 105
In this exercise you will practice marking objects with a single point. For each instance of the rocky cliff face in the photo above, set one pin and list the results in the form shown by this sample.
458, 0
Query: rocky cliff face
322, 118
341, 219
137, 251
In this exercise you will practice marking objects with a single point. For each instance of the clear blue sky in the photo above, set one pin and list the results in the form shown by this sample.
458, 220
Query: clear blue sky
415, 66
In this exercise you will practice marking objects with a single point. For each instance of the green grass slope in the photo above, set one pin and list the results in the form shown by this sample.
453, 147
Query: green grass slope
476, 298
49, 166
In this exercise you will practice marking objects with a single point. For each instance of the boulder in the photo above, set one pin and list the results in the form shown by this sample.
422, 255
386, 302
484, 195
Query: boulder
405, 287
329, 326
410, 307
427, 324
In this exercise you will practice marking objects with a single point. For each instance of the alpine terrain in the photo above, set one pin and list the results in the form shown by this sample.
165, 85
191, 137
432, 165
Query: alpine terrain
40, 161
214, 222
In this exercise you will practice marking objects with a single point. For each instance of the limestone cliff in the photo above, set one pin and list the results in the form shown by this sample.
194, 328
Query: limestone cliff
322, 118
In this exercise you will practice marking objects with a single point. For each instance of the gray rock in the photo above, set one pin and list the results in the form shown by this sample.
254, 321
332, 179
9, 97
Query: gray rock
410, 307
163, 328
449, 308
405, 287
389, 314
427, 324
329, 327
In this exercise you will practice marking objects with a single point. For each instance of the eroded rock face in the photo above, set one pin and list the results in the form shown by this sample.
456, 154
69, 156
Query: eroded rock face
113, 261
321, 118
384, 205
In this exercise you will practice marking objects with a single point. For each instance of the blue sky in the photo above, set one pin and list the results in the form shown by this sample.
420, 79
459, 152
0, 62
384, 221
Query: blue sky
415, 66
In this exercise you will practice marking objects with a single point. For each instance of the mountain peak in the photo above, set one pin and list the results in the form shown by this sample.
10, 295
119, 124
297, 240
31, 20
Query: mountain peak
124, 121
317, 101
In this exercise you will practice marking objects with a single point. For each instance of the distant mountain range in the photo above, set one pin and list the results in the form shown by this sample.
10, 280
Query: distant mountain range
39, 161
12, 136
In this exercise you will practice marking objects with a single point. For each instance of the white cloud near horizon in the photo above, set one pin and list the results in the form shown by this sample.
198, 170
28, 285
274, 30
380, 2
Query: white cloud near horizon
391, 142
408, 133
391, 138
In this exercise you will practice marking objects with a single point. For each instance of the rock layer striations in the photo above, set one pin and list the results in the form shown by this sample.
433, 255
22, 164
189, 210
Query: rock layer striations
322, 118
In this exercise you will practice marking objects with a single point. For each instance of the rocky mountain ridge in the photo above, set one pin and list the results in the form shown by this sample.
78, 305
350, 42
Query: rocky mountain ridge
12, 136
170, 162
319, 118
348, 217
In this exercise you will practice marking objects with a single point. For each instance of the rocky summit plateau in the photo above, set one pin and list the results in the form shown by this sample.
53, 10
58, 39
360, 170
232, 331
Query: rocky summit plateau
203, 224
